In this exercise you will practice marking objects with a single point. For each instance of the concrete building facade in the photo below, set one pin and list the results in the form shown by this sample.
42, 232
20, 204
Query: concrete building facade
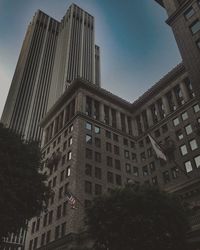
52, 55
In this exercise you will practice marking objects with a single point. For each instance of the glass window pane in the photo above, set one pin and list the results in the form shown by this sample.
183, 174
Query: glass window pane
188, 166
188, 129
193, 144
176, 121
183, 150
184, 116
197, 161
195, 27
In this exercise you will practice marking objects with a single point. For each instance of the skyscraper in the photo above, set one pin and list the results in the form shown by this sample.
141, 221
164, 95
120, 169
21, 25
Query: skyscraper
52, 55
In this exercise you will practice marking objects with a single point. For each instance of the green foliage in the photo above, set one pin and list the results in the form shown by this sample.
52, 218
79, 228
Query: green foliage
137, 218
22, 188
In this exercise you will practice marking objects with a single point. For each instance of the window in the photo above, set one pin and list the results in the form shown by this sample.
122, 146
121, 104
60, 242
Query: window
141, 144
143, 156
88, 169
126, 154
132, 144
60, 192
98, 173
109, 161
64, 210
48, 236
33, 227
58, 215
57, 231
125, 142
176, 121
152, 167
97, 130
135, 171
115, 137
117, 164
65, 133
97, 157
154, 180
195, 26
97, 142
42, 239
149, 152
110, 177
88, 187
197, 161
108, 147
30, 244
188, 166
62, 176
118, 179
67, 172
71, 128
166, 177
188, 129
50, 216
179, 134
98, 189
63, 229
88, 153
145, 171
88, 126
64, 145
45, 220
193, 144
184, 116
63, 159
108, 134
70, 141
189, 12
69, 155
174, 172
35, 243
38, 224
134, 157
128, 168
116, 150
88, 139
183, 149
196, 108
59, 140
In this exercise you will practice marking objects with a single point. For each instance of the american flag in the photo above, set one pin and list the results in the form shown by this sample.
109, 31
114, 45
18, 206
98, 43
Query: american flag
71, 199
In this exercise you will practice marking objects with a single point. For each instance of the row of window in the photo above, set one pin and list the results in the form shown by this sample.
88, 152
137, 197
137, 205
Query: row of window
158, 110
60, 231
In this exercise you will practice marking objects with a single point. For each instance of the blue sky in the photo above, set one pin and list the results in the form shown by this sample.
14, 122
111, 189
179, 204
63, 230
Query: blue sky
137, 47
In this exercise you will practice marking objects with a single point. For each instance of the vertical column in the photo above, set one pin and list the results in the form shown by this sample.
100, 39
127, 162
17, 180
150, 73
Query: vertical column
149, 117
110, 117
119, 126
101, 112
64, 116
174, 99
134, 127
166, 105
157, 111
126, 125
184, 91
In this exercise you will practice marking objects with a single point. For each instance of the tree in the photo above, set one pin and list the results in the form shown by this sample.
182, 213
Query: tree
22, 186
137, 218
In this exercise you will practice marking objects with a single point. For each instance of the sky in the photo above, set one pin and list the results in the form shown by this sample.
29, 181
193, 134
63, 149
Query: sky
137, 46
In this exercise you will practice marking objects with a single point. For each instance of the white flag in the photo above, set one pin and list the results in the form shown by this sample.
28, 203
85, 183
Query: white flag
157, 149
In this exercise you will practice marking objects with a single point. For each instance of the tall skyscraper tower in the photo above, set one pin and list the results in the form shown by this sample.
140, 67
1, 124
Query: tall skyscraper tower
75, 52
52, 55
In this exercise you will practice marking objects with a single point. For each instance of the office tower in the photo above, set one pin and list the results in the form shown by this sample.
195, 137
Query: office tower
28, 95
184, 19
75, 53
53, 54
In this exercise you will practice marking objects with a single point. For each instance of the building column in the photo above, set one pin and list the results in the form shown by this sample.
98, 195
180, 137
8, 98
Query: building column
101, 112
118, 118
149, 117
184, 91
166, 105
174, 99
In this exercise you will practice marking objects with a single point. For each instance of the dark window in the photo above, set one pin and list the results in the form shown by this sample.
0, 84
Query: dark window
164, 128
88, 187
97, 173
57, 231
58, 215
88, 139
97, 142
125, 142
50, 216
116, 150
145, 171
166, 177
117, 164
115, 137
152, 167
109, 161
154, 180
97, 157
45, 220
195, 26
108, 134
88, 153
63, 229
118, 179
135, 171
98, 189
88, 169
110, 177
126, 154
128, 168
108, 147
88, 106
48, 236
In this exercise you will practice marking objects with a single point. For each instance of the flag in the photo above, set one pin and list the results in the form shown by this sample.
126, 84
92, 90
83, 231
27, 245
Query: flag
158, 150
71, 199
